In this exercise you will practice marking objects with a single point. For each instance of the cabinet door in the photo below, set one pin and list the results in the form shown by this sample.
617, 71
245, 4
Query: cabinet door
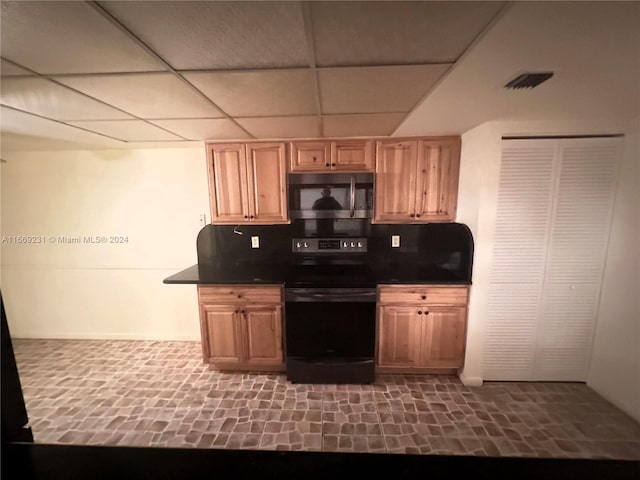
221, 334
437, 180
310, 156
267, 180
443, 337
262, 334
228, 183
396, 169
399, 333
352, 156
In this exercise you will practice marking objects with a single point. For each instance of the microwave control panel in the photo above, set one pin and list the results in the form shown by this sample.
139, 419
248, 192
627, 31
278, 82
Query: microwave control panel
330, 245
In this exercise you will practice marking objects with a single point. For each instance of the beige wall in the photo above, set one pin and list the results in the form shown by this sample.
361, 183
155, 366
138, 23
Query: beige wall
56, 290
615, 367
615, 361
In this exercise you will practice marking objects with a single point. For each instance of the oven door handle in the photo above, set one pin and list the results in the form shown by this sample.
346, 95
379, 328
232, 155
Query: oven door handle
353, 196
331, 297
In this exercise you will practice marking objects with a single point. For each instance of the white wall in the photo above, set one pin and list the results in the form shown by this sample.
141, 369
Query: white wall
477, 201
56, 290
615, 362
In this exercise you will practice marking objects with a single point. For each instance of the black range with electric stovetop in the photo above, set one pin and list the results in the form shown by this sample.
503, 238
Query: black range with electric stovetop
330, 300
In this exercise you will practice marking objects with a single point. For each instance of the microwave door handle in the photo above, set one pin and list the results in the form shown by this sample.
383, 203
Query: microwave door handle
353, 196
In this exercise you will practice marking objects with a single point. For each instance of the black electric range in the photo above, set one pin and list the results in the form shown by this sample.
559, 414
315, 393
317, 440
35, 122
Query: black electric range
330, 297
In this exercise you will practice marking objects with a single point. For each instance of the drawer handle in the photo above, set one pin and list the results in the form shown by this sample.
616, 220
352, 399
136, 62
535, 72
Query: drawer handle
423, 297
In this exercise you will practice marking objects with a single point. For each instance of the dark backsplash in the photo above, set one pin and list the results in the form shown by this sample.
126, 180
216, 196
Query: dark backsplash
428, 252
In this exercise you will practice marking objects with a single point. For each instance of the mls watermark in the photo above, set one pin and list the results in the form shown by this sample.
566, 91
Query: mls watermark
65, 239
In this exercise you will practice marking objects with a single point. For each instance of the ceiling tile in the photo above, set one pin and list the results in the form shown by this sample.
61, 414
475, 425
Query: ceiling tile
396, 33
282, 127
128, 130
8, 69
67, 37
204, 128
259, 93
46, 98
20, 123
376, 89
370, 125
224, 35
152, 95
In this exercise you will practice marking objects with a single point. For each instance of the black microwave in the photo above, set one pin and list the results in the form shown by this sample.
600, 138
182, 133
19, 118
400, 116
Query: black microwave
330, 195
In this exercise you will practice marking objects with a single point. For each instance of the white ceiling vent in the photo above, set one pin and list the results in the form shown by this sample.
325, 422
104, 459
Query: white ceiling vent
528, 80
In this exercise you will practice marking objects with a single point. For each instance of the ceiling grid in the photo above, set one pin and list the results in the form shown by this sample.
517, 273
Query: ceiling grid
166, 71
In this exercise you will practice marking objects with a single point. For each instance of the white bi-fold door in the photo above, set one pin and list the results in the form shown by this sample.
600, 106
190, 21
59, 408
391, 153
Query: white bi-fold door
553, 217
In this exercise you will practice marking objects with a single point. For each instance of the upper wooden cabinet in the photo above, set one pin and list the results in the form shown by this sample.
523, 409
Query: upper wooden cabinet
247, 183
327, 156
417, 180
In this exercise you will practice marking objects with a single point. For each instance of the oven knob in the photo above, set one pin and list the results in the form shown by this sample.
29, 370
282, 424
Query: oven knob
306, 244
298, 245
359, 244
353, 245
344, 244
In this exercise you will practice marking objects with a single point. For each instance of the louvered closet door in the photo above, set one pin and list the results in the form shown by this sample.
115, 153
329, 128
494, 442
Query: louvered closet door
519, 252
577, 249
553, 218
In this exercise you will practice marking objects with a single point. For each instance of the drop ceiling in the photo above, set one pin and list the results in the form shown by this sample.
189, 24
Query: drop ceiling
116, 73
181, 71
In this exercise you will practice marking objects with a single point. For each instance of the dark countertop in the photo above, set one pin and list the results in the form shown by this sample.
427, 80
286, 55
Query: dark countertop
277, 275
212, 276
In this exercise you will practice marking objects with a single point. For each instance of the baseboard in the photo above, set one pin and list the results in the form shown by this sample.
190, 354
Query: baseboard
106, 336
469, 381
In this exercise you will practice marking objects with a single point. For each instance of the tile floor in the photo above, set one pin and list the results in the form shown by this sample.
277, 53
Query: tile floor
140, 393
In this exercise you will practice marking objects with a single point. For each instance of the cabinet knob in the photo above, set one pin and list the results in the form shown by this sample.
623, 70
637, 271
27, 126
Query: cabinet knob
251, 216
326, 164
423, 297
419, 312
417, 215
411, 215
237, 311
242, 312
333, 164
314, 159
246, 216
426, 313
239, 296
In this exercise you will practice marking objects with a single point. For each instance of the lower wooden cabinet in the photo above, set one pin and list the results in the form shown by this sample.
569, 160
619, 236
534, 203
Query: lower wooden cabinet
238, 334
421, 328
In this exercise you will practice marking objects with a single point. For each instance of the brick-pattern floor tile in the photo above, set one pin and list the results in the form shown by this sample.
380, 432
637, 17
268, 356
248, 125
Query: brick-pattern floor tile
139, 393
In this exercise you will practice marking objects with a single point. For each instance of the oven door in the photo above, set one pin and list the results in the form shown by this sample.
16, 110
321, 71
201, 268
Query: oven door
330, 335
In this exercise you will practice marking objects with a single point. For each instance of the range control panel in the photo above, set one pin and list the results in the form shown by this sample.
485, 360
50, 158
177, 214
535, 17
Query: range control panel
330, 245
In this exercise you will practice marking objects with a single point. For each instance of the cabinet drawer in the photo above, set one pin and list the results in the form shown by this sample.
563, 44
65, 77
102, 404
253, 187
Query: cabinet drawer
423, 295
239, 294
